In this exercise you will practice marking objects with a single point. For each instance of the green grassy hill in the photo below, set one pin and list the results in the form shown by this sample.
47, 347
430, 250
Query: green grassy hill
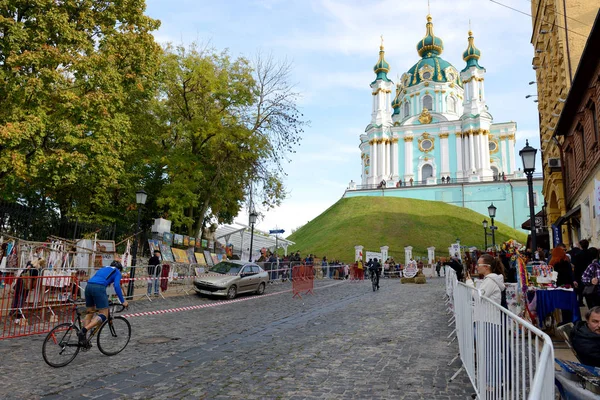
379, 221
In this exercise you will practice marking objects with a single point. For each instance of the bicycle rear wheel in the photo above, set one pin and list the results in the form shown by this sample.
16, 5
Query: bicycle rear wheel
114, 336
61, 345
373, 282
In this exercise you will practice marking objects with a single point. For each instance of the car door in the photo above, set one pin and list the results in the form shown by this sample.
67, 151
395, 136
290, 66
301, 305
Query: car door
246, 277
255, 277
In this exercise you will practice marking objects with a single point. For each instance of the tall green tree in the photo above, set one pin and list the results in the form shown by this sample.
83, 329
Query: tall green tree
224, 125
73, 76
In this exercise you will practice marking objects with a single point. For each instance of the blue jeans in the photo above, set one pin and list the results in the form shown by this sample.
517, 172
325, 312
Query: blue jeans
156, 282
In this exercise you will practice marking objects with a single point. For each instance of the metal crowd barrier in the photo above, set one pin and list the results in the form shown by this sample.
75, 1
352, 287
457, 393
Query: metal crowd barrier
35, 304
504, 356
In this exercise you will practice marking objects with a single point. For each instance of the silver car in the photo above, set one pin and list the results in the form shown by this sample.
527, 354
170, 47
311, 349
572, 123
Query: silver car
228, 278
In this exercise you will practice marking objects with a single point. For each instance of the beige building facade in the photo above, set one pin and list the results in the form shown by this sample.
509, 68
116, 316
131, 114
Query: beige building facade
560, 32
579, 129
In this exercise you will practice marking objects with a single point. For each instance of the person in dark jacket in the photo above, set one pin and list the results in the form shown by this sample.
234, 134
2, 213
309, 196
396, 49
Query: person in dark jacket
457, 266
585, 338
560, 263
154, 272
580, 263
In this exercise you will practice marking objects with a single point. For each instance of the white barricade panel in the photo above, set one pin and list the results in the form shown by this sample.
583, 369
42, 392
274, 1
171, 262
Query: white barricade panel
504, 356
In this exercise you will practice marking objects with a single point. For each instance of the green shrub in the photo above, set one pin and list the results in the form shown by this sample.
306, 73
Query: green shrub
420, 280
407, 280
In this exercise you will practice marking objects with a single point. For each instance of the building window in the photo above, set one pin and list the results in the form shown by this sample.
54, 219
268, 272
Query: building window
594, 120
428, 102
451, 104
582, 139
406, 110
535, 199
426, 75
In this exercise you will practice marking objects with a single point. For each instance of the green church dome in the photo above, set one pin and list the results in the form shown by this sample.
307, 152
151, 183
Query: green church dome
431, 67
430, 44
472, 54
382, 67
397, 98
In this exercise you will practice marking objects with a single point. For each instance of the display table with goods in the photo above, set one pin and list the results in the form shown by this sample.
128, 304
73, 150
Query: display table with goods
577, 381
535, 295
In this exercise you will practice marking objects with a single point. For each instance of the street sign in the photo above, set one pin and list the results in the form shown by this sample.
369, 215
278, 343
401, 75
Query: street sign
276, 231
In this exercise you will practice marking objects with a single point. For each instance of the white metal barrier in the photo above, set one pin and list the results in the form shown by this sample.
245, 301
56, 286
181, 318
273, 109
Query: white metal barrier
505, 357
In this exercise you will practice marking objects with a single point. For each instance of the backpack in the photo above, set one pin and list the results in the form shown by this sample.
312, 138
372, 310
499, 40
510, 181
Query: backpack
503, 301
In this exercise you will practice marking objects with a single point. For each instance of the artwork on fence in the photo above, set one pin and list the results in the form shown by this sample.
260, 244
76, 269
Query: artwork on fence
168, 238
215, 258
190, 255
178, 239
200, 258
167, 255
186, 240
192, 242
154, 245
209, 260
180, 255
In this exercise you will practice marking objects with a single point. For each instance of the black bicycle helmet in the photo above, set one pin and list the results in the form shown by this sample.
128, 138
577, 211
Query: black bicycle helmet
117, 265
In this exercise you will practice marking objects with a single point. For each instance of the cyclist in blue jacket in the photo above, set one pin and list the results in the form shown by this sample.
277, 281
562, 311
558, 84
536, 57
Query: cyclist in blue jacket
96, 299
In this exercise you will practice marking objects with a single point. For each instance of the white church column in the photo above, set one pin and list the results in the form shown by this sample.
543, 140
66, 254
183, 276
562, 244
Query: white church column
459, 155
511, 153
477, 149
386, 159
395, 159
467, 153
502, 142
486, 149
408, 159
472, 161
445, 154
374, 162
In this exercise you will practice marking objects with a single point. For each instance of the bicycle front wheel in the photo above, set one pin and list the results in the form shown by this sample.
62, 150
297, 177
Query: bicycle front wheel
61, 345
114, 336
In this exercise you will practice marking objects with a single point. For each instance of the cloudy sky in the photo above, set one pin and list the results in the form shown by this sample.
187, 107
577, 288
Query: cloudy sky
333, 45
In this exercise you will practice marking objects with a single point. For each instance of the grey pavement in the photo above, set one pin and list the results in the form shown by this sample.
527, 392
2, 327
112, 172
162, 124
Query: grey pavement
343, 342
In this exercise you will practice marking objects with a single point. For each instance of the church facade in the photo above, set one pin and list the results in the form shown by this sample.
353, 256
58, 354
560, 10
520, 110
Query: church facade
434, 124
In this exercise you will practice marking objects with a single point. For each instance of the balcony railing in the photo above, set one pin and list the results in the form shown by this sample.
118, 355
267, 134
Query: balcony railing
440, 182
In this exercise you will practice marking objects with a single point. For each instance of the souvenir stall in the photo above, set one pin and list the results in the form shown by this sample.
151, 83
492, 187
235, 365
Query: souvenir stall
535, 296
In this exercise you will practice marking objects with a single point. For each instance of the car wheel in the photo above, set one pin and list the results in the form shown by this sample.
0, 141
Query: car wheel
232, 292
261, 289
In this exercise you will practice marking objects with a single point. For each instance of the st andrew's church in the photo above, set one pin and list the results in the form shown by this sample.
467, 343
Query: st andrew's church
436, 124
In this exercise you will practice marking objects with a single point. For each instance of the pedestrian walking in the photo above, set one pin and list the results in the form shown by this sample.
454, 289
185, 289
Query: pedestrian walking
154, 272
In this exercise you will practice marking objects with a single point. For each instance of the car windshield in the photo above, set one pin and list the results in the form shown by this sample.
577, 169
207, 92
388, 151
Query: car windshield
225, 267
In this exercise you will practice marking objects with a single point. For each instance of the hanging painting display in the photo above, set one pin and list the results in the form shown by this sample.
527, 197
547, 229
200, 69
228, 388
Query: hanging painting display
200, 258
191, 256
180, 256
168, 238
167, 255
178, 239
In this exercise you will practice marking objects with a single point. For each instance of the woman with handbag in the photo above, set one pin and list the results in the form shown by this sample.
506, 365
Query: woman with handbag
591, 278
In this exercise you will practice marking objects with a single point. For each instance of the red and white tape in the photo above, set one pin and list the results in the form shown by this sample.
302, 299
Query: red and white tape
215, 304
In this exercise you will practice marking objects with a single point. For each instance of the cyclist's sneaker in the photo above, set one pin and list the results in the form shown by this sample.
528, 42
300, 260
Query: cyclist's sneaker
81, 336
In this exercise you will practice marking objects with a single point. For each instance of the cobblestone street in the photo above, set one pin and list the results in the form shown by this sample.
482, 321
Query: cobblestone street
344, 342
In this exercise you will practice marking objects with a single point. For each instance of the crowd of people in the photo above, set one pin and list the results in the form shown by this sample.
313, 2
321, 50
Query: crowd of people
577, 268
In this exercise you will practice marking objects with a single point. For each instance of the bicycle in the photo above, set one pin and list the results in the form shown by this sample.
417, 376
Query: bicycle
374, 280
63, 340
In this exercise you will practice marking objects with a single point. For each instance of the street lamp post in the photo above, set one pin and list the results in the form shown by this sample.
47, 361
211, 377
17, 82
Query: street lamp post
528, 157
253, 216
140, 199
485, 234
492, 214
